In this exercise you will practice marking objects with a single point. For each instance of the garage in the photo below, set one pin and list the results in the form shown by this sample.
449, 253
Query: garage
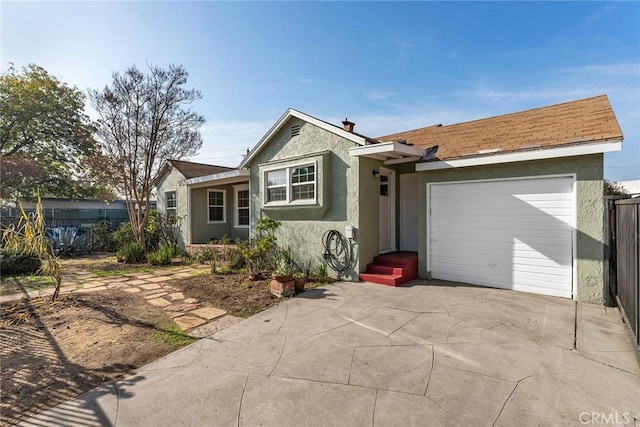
510, 233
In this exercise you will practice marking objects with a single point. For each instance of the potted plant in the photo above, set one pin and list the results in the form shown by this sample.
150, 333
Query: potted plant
282, 273
282, 284
300, 279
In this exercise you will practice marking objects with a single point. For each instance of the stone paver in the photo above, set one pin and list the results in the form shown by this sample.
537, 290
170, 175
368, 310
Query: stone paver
182, 308
157, 293
132, 290
159, 302
149, 286
187, 322
208, 313
176, 296
160, 279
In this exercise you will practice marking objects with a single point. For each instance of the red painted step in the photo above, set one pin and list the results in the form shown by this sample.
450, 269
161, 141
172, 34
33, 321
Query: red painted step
392, 269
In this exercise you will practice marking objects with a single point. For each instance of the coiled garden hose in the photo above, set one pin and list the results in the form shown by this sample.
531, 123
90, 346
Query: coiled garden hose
338, 251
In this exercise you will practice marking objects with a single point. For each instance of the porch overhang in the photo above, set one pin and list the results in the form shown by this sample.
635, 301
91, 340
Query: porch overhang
232, 177
389, 152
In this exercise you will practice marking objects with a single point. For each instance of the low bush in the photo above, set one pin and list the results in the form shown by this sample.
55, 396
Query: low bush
103, 238
123, 236
235, 260
17, 263
131, 253
162, 256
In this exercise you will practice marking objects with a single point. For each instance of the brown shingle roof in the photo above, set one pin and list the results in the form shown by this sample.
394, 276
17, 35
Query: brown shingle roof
192, 170
584, 121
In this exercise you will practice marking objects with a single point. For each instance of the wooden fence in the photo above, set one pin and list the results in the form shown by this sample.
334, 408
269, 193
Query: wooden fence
622, 258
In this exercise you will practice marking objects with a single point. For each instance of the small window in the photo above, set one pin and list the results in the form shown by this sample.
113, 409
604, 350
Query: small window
216, 205
242, 206
171, 205
384, 185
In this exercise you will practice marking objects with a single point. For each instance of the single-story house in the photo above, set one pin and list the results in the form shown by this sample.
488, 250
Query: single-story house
513, 201
205, 206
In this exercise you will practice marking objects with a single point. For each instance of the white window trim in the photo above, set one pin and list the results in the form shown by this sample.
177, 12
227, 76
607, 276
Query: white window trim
224, 207
166, 207
236, 190
289, 186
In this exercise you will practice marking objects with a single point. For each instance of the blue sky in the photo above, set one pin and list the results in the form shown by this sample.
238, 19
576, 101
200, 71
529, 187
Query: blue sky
386, 66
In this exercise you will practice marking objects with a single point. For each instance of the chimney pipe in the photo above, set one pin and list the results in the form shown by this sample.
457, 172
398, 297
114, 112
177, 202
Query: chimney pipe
348, 126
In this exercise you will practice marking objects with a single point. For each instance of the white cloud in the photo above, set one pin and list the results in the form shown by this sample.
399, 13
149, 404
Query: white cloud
378, 95
304, 80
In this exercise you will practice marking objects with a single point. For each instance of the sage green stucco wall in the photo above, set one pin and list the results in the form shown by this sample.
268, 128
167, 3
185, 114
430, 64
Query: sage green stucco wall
201, 230
171, 182
339, 193
589, 221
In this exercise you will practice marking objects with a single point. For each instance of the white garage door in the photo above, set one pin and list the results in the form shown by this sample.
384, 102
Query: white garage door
512, 234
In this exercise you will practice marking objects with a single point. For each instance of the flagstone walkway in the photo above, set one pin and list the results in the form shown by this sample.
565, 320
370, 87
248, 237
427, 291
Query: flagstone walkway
189, 314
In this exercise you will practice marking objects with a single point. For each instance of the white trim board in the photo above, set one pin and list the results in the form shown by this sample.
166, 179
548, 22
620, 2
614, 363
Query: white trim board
549, 153
212, 179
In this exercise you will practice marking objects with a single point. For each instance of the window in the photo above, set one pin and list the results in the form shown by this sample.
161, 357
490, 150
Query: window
242, 205
384, 185
277, 185
171, 206
303, 183
216, 205
296, 184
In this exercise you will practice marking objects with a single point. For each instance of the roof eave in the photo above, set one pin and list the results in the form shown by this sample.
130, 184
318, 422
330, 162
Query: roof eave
521, 156
217, 178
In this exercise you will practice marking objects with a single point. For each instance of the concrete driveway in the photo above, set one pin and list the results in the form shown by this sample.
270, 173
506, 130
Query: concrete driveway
358, 354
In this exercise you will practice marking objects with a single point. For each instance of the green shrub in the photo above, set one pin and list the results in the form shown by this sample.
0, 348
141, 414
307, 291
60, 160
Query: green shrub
162, 256
123, 236
131, 253
17, 263
103, 238
235, 260
206, 254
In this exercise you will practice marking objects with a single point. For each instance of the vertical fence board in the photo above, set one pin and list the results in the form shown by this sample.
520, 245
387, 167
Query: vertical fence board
627, 262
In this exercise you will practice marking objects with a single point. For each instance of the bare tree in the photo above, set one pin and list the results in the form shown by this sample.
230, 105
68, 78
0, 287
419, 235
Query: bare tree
144, 120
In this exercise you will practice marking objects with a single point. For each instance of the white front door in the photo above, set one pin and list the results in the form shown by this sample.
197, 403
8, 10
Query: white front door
387, 215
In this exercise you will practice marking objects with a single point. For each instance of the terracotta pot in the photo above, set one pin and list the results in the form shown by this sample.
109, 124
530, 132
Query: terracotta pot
282, 278
282, 289
300, 285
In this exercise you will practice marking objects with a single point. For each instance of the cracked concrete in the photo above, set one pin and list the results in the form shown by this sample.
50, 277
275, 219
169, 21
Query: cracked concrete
429, 353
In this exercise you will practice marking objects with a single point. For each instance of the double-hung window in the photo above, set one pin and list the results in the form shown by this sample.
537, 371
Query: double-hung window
170, 204
294, 184
215, 204
242, 206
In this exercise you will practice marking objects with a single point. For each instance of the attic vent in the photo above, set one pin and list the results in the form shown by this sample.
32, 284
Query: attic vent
295, 130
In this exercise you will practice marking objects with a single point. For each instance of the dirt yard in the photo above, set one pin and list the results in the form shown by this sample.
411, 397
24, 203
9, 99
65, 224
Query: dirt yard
231, 292
52, 352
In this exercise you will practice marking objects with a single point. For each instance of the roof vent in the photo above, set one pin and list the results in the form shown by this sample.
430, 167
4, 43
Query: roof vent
348, 126
295, 130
